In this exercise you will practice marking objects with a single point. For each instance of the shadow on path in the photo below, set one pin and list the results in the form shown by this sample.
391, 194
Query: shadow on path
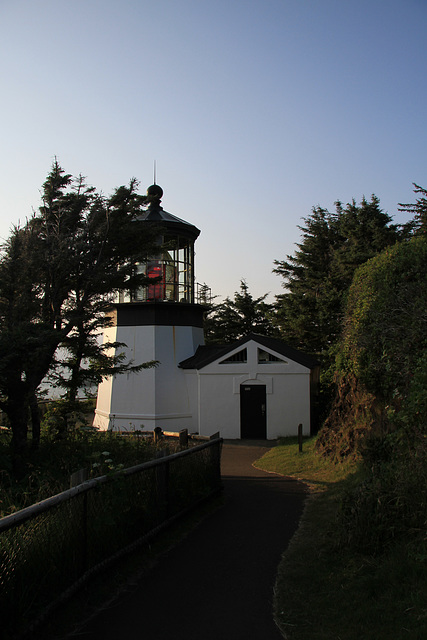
217, 583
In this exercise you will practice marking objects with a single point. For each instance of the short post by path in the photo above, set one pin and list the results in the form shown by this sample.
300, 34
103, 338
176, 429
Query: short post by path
300, 437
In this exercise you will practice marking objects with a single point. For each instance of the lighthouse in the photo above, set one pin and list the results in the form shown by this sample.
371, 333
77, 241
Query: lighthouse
159, 322
257, 387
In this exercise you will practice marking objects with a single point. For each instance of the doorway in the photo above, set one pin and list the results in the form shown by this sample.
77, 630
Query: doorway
253, 412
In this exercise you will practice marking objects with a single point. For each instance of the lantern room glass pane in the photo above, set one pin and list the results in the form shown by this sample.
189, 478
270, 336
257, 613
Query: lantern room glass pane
171, 272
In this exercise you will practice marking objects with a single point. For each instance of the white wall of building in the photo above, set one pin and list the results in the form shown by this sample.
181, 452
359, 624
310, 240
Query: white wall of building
203, 401
218, 395
152, 397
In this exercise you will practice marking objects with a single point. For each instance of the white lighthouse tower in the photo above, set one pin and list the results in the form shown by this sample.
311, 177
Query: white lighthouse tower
159, 322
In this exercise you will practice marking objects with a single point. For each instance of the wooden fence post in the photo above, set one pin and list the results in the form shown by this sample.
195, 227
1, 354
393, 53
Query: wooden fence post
215, 457
162, 482
85, 526
300, 437
158, 433
78, 477
183, 438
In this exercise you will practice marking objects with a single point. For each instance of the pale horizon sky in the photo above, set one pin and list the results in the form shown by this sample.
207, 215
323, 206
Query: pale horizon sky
254, 111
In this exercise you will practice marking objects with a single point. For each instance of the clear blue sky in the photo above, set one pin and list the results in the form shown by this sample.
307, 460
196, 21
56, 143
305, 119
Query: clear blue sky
254, 110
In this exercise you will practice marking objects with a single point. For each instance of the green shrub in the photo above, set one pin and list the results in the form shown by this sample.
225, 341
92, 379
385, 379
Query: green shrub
381, 371
50, 467
390, 505
62, 416
385, 321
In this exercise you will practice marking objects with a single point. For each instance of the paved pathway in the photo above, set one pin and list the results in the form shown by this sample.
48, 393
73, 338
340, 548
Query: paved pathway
217, 584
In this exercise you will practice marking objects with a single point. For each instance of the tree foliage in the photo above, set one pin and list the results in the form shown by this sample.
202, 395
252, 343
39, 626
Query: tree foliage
317, 277
306, 313
418, 211
385, 327
232, 319
57, 273
384, 343
380, 412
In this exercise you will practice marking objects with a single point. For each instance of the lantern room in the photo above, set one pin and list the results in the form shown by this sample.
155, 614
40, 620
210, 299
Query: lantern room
171, 271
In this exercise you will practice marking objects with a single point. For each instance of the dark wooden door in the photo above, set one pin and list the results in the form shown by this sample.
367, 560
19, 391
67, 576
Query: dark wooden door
253, 414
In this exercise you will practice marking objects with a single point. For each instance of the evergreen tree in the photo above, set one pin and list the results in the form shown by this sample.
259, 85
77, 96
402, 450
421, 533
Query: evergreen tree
57, 274
363, 231
306, 312
317, 277
232, 319
418, 225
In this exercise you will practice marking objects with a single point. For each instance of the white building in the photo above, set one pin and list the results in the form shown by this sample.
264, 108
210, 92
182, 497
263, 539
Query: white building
257, 388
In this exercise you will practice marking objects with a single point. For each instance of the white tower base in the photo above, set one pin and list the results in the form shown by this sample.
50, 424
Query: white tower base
156, 397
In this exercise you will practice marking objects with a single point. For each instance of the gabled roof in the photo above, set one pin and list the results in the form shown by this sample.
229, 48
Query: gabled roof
209, 353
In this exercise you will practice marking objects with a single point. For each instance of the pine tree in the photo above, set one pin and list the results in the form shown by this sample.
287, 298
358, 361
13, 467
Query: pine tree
57, 275
418, 225
232, 319
306, 310
317, 277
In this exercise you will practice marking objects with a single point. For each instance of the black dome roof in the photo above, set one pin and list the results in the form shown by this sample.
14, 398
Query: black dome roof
155, 213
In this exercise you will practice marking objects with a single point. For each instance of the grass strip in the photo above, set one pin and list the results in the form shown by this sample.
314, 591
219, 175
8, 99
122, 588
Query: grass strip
324, 591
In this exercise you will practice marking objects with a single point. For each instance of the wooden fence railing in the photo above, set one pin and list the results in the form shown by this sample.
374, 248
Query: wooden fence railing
51, 547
